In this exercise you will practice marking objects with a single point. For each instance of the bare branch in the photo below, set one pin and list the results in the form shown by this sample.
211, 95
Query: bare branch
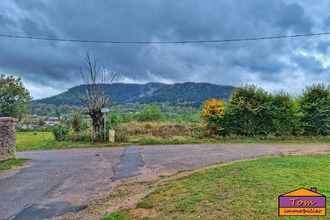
97, 95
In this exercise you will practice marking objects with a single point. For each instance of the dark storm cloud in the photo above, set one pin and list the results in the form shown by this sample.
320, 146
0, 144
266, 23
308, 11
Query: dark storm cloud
309, 64
57, 63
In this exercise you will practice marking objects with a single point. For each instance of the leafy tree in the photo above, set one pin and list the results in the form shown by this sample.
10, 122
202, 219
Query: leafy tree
13, 97
96, 96
314, 106
42, 122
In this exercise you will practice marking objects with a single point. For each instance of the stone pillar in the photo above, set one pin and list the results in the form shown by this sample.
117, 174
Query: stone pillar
111, 135
7, 138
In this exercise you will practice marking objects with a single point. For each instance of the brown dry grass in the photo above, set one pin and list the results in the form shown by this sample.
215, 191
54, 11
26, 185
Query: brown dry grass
156, 129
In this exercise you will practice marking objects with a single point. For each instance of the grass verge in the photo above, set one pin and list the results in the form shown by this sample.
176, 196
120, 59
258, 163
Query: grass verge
236, 139
243, 190
45, 141
10, 163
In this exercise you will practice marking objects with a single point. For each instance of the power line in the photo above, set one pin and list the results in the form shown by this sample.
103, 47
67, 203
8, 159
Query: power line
165, 42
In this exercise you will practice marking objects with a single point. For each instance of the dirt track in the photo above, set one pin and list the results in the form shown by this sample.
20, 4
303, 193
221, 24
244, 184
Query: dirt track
59, 181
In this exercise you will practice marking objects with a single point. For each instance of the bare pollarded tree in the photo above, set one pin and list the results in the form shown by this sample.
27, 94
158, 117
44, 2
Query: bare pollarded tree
95, 95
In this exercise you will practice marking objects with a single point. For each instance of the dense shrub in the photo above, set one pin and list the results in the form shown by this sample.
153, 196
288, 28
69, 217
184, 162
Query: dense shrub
151, 113
284, 115
248, 111
197, 131
121, 135
60, 133
76, 122
252, 111
83, 135
114, 119
187, 117
212, 114
314, 106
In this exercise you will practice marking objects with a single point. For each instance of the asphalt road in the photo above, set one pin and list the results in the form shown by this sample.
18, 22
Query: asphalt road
55, 182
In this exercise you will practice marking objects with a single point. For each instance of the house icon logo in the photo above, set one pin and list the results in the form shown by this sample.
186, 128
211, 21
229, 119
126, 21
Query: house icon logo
302, 202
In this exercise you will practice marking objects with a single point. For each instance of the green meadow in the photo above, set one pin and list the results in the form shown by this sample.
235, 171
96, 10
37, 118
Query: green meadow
27, 141
243, 190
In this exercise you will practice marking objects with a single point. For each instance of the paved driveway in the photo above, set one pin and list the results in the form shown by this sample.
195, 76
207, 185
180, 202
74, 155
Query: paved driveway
55, 182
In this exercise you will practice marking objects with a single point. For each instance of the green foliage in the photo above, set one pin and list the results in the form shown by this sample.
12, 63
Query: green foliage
121, 135
252, 111
60, 133
77, 123
284, 115
82, 135
112, 120
49, 110
125, 92
212, 114
151, 113
116, 215
188, 94
183, 94
13, 97
42, 122
115, 119
245, 111
10, 163
314, 106
187, 117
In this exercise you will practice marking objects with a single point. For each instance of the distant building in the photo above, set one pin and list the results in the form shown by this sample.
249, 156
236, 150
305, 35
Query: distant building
52, 121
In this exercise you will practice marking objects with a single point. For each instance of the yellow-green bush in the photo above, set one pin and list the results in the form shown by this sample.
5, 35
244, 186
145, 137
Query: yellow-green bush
212, 113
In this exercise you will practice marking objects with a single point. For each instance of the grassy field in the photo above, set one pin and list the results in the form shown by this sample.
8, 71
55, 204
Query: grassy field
243, 190
10, 163
45, 140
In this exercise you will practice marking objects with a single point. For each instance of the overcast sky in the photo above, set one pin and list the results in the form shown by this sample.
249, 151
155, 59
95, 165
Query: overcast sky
48, 68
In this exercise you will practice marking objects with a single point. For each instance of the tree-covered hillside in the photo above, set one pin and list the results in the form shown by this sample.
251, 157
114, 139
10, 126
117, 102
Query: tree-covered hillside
124, 93
193, 94
189, 94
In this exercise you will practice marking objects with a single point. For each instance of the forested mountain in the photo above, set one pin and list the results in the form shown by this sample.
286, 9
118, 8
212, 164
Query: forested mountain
124, 93
192, 94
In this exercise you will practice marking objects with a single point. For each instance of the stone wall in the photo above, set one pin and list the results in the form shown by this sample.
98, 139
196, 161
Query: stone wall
7, 138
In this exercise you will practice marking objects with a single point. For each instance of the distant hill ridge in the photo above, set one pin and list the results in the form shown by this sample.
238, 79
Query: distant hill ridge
194, 94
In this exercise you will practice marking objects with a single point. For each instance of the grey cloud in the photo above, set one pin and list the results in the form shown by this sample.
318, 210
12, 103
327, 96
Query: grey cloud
309, 64
144, 20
